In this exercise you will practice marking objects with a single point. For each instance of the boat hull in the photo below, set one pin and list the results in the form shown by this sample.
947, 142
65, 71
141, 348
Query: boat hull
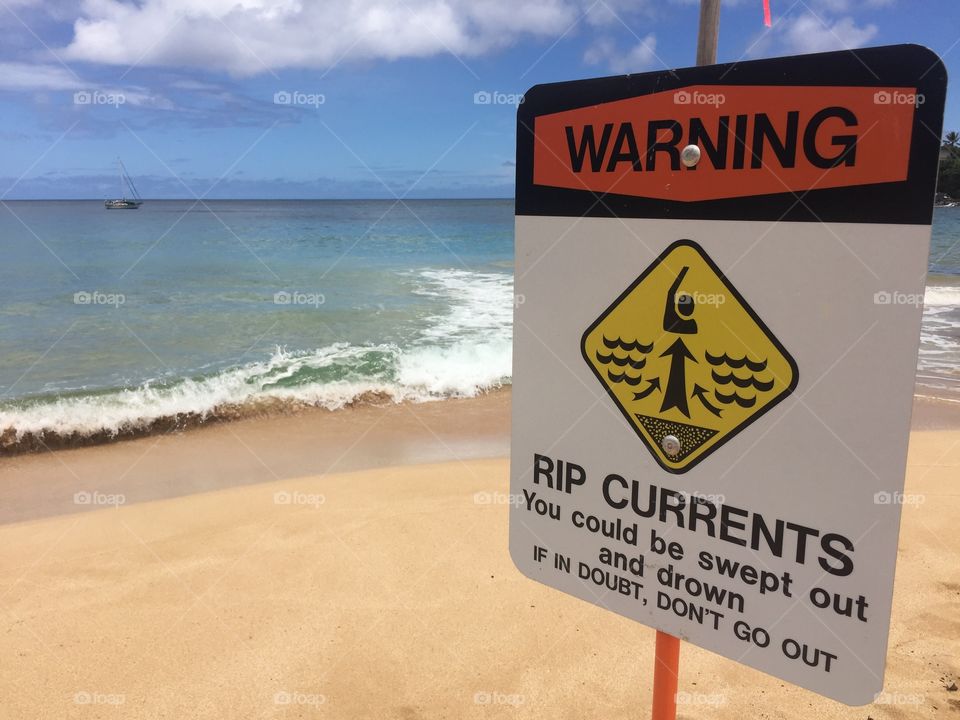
121, 204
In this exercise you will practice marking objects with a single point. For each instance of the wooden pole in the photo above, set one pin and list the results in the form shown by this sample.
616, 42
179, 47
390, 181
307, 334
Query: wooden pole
666, 668
708, 32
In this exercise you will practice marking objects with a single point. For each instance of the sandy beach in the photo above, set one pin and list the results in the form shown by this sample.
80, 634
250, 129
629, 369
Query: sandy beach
355, 564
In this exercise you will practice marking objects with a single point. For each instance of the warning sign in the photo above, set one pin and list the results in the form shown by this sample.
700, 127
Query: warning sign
686, 359
711, 392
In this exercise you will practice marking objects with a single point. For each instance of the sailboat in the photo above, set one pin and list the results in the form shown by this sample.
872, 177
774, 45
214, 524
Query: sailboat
126, 183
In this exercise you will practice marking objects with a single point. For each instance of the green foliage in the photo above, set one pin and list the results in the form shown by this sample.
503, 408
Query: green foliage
948, 181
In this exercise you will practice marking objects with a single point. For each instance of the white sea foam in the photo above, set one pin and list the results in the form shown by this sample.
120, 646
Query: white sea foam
467, 348
940, 331
479, 303
937, 296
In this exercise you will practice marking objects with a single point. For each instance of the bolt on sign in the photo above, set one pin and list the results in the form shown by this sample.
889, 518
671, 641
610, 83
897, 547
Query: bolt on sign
712, 389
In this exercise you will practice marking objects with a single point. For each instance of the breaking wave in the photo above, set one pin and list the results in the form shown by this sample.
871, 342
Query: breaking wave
463, 351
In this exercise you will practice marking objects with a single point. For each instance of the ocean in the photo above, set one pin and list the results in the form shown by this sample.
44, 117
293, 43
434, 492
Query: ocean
121, 322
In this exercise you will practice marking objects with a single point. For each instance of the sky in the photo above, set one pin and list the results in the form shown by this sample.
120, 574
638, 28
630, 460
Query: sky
354, 98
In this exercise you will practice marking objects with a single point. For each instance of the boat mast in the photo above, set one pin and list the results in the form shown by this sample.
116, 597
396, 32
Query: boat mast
130, 184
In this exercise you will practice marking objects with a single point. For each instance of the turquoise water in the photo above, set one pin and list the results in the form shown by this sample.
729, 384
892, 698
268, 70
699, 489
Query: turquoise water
938, 369
110, 321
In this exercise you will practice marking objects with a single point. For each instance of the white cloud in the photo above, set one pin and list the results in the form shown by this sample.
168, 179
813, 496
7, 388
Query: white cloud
252, 36
23, 77
810, 33
840, 6
641, 56
620, 13
17, 13
836, 6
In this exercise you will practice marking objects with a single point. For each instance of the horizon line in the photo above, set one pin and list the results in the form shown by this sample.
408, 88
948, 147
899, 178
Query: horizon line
264, 199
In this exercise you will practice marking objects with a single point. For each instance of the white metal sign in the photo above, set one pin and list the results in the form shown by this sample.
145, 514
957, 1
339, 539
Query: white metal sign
714, 364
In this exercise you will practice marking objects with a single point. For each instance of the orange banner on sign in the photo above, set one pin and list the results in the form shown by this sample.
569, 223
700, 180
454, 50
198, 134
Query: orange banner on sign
754, 140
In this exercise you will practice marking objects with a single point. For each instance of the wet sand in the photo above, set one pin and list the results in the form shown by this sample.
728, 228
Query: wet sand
255, 450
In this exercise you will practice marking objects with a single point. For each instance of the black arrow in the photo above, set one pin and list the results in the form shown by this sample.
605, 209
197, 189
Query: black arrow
701, 394
654, 385
675, 396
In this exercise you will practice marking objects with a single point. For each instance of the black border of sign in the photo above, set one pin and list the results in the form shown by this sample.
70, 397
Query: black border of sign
906, 202
746, 306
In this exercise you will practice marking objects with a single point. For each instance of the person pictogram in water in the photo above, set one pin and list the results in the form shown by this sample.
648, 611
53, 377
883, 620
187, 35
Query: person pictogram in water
680, 306
677, 319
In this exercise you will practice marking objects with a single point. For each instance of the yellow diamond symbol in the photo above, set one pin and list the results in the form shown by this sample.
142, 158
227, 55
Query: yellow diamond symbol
686, 359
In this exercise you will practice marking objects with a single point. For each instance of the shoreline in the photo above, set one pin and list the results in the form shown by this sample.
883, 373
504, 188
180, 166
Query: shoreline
252, 450
935, 406
260, 449
262, 409
934, 412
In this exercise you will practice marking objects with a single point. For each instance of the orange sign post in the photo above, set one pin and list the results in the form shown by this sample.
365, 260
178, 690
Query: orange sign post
666, 671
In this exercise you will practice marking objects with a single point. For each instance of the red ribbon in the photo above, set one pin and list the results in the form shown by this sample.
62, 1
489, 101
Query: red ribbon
766, 12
